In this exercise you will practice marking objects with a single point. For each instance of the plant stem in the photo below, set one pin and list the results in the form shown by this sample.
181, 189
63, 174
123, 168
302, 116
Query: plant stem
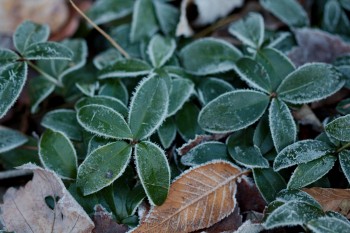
44, 74
100, 30
347, 145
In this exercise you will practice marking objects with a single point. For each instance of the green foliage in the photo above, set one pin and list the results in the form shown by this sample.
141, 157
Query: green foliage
10, 139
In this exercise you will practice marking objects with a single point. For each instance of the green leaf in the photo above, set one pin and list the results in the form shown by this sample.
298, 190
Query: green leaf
106, 58
64, 121
10, 139
310, 83
344, 160
209, 56
308, 173
104, 11
103, 166
105, 101
262, 136
48, 51
205, 152
226, 113
343, 106
122, 35
144, 22
7, 57
295, 16
210, 88
250, 30
345, 4
148, 107
268, 182
331, 15
287, 195
249, 157
254, 74
167, 132
103, 121
154, 171
328, 225
96, 142
167, 16
181, 90
125, 68
160, 50
282, 125
58, 154
115, 88
12, 80
339, 128
29, 33
39, 89
301, 152
292, 214
87, 88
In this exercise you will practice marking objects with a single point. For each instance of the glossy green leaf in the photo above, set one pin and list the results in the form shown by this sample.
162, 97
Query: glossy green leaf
294, 17
12, 80
209, 56
7, 57
148, 107
205, 152
64, 121
105, 101
301, 152
181, 90
39, 89
167, 132
144, 22
58, 154
103, 121
262, 136
250, 30
48, 50
268, 182
115, 88
328, 225
125, 68
167, 16
310, 83
282, 125
292, 214
103, 166
227, 114
210, 88
154, 172
108, 57
160, 49
344, 160
10, 139
29, 33
249, 157
310, 172
339, 128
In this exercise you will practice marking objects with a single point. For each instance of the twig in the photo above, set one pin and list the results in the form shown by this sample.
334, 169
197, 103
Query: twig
100, 30
14, 173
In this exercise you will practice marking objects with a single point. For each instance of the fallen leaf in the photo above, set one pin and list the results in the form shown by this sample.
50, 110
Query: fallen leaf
249, 227
332, 199
249, 197
199, 198
104, 222
43, 205
306, 116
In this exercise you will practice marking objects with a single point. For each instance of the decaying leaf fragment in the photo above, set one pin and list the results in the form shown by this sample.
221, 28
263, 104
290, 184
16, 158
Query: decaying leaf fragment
104, 222
197, 199
43, 205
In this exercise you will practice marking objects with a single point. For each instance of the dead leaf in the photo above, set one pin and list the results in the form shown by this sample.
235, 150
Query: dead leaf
317, 46
249, 227
198, 199
104, 222
332, 199
306, 116
249, 197
28, 210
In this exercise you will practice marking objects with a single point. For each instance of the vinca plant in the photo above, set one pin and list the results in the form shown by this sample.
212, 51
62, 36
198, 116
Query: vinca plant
177, 124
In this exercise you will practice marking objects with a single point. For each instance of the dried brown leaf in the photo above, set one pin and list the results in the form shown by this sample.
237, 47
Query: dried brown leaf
249, 197
25, 210
332, 199
306, 116
199, 198
104, 222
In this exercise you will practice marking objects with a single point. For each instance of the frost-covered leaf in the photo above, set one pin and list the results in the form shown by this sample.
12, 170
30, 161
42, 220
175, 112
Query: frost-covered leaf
148, 107
7, 57
103, 121
57, 153
208, 190
29, 33
48, 50
103, 166
344, 160
122, 35
294, 17
301, 152
181, 90
95, 142
205, 152
210, 88
249, 157
167, 16
10, 139
154, 171
310, 83
250, 30
12, 80
328, 225
262, 136
226, 113
310, 172
125, 68
160, 49
64, 121
167, 132
87, 88
34, 214
115, 88
209, 56
108, 57
287, 195
339, 128
331, 15
39, 89
282, 125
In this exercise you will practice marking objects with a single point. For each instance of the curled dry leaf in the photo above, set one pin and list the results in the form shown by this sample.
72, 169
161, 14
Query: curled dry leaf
43, 205
332, 199
199, 198
104, 222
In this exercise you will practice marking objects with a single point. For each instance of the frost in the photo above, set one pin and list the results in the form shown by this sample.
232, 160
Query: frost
10, 139
339, 128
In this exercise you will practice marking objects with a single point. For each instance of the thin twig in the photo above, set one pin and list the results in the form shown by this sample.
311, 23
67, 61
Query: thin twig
100, 30
44, 74
14, 173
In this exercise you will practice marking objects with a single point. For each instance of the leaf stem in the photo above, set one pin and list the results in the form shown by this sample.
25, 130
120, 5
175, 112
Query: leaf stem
347, 145
100, 30
44, 74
